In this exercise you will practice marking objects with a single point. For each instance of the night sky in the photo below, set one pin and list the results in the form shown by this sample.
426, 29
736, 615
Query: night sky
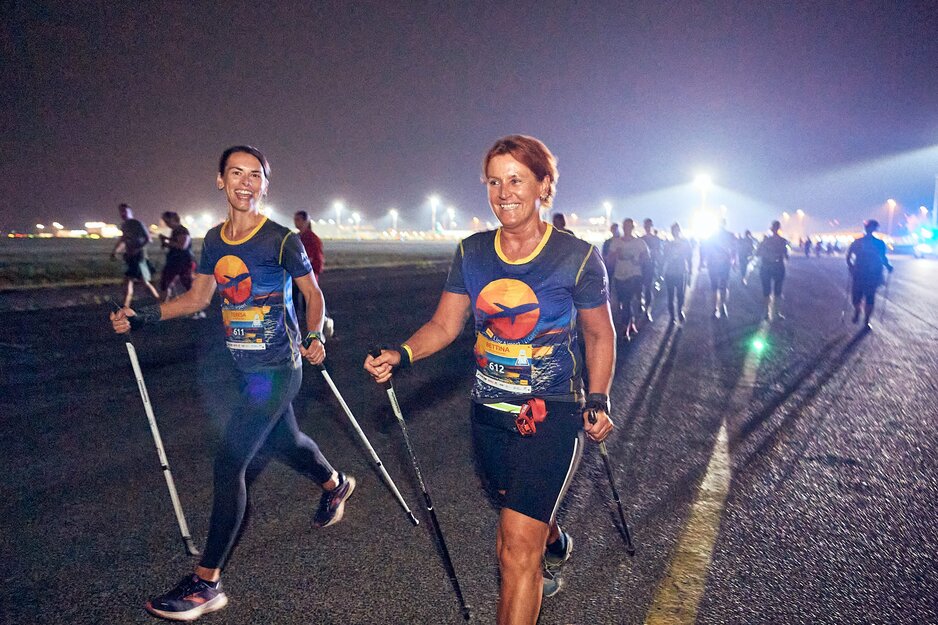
830, 107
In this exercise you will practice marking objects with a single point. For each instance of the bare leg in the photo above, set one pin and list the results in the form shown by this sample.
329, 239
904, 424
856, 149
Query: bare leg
521, 543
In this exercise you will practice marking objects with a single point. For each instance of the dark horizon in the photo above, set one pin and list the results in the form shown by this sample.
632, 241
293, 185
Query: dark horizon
826, 107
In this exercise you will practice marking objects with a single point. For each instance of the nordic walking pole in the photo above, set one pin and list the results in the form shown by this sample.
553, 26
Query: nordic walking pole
158, 440
374, 456
447, 561
615, 493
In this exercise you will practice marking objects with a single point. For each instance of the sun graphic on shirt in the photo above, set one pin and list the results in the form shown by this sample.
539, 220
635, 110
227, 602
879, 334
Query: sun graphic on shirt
510, 308
233, 278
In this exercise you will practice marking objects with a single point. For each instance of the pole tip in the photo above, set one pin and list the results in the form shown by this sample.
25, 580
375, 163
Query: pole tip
413, 519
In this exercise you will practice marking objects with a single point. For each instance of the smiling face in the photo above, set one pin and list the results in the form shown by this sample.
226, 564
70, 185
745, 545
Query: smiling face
514, 191
243, 182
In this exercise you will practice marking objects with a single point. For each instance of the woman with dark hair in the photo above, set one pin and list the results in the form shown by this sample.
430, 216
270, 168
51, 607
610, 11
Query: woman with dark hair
253, 262
179, 262
525, 285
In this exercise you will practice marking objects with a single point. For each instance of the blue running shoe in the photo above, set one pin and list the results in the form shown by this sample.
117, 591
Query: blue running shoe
332, 503
553, 566
191, 598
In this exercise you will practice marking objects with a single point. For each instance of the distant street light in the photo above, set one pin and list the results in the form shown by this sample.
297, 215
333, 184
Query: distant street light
393, 213
337, 206
891, 204
451, 211
357, 218
434, 204
40, 227
59, 226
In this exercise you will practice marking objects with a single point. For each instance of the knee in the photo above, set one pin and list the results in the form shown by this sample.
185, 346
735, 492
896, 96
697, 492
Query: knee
229, 466
519, 552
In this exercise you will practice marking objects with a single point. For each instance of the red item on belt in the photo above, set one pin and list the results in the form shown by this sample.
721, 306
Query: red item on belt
532, 412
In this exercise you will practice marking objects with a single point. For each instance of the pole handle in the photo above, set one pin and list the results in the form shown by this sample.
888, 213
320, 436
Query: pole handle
374, 352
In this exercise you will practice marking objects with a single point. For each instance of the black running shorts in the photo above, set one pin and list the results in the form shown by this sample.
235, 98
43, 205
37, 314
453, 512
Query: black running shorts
534, 471
719, 275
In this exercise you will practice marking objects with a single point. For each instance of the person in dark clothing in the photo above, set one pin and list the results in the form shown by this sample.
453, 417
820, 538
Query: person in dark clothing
772, 254
179, 261
133, 244
866, 258
652, 268
719, 254
677, 263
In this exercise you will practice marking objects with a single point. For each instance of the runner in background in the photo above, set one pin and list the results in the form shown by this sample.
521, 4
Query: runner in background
866, 259
630, 255
133, 245
772, 254
651, 270
719, 254
314, 250
179, 261
677, 264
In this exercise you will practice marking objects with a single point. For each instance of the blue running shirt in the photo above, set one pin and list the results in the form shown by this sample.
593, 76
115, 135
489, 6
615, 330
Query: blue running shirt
255, 281
525, 312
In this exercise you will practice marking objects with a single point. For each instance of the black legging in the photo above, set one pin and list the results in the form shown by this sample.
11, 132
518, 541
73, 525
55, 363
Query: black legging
262, 426
675, 285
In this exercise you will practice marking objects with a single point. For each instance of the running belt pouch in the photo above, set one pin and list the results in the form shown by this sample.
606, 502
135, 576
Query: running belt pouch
532, 412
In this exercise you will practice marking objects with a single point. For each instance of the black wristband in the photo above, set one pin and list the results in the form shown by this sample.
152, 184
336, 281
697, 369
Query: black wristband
404, 351
144, 316
597, 401
313, 336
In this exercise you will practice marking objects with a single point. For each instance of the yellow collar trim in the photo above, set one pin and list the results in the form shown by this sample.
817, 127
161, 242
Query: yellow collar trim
529, 257
246, 237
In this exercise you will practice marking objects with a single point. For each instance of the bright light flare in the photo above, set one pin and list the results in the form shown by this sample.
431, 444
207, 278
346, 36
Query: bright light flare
703, 225
703, 181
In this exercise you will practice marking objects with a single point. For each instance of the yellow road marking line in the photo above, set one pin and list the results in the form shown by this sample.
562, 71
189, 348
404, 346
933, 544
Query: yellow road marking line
682, 587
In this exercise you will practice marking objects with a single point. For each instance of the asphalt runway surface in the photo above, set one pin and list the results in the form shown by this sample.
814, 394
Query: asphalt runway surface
795, 485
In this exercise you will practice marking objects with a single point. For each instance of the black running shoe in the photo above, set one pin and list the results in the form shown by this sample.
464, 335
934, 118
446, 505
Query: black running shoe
332, 503
191, 598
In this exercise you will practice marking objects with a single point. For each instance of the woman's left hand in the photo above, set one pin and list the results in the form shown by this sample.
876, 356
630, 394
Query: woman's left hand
601, 428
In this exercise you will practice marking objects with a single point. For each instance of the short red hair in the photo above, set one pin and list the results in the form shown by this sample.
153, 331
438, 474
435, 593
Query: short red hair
530, 152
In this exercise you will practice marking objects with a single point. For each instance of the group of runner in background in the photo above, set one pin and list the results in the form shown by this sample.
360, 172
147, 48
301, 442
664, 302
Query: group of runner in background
639, 265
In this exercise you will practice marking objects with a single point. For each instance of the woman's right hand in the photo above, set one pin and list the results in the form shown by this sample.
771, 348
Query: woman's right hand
381, 367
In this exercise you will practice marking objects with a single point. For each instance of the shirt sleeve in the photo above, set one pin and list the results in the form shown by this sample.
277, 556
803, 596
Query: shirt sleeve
293, 257
207, 258
592, 286
454, 281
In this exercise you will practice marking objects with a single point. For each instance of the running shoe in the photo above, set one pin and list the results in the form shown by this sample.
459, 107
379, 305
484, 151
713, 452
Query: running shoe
553, 567
332, 503
191, 598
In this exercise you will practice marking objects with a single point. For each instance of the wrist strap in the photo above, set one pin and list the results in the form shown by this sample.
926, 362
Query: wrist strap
598, 401
313, 336
144, 316
407, 356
